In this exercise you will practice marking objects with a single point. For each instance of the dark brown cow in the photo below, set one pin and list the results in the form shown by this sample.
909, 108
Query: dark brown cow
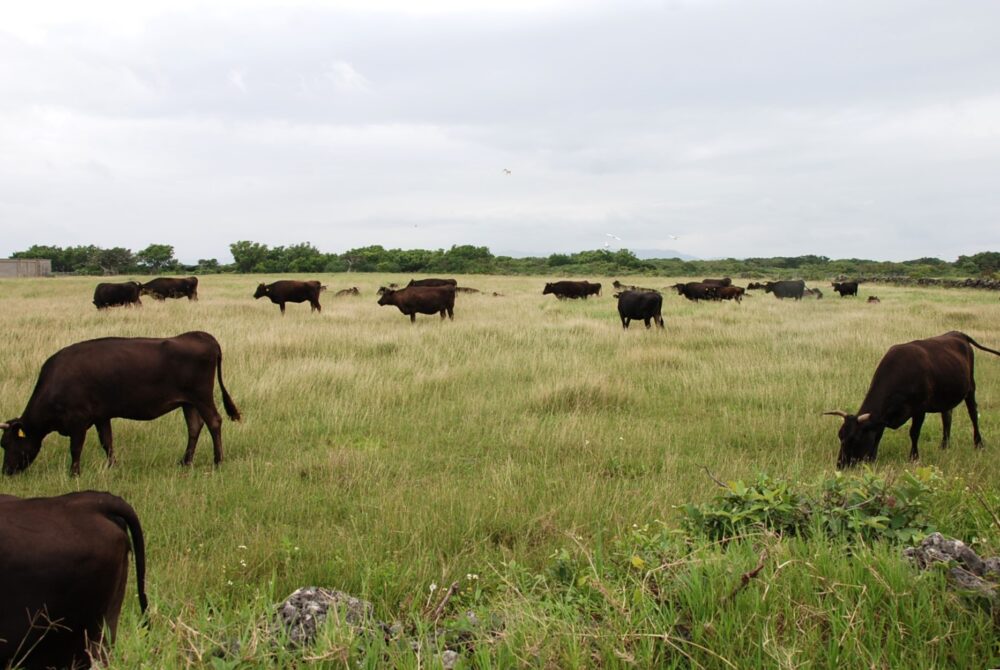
114, 294
845, 288
433, 282
290, 290
572, 289
696, 291
645, 305
162, 288
792, 288
873, 298
63, 572
725, 281
730, 293
414, 300
912, 380
141, 378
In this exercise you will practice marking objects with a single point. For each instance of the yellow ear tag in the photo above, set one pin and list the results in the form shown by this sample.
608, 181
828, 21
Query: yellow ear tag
20, 433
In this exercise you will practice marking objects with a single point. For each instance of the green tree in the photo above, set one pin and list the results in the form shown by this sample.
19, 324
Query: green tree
112, 261
156, 258
248, 256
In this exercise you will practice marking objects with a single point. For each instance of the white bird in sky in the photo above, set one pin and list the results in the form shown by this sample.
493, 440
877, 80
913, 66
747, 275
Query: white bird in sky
673, 237
506, 171
614, 236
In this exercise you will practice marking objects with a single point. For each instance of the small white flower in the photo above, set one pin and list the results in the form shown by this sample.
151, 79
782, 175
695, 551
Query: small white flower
243, 563
242, 546
433, 587
230, 582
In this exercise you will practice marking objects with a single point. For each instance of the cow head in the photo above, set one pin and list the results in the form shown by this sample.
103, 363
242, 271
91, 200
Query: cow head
859, 438
388, 296
261, 291
19, 450
547, 289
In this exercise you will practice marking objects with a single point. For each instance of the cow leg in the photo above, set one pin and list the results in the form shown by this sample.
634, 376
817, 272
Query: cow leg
194, 424
646, 321
624, 323
451, 313
413, 317
945, 428
75, 450
659, 321
104, 435
915, 425
211, 417
314, 306
281, 306
444, 312
970, 404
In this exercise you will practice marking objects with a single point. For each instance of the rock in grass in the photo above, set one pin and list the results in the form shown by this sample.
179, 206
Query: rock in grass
304, 613
968, 571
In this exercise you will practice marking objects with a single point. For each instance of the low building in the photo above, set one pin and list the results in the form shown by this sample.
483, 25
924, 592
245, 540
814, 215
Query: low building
25, 267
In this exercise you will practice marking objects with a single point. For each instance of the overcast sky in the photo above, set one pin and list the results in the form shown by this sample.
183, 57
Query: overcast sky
850, 128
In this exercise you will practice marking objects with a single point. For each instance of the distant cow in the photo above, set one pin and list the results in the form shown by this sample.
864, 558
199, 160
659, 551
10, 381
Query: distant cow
628, 287
162, 288
414, 300
726, 281
289, 290
571, 289
112, 294
845, 288
347, 291
786, 289
730, 293
433, 282
873, 298
914, 379
755, 286
643, 305
63, 571
696, 291
89, 383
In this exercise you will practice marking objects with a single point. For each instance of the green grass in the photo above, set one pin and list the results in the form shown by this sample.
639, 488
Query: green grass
379, 457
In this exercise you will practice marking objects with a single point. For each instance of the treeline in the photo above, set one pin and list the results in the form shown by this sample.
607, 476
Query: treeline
253, 257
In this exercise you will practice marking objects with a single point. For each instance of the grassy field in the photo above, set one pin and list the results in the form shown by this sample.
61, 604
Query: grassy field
380, 457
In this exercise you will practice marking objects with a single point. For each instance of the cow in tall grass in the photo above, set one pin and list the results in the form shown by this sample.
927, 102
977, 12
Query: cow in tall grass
63, 571
142, 378
912, 380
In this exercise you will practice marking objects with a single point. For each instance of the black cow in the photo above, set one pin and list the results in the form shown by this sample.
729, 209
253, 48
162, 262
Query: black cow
112, 294
643, 305
414, 300
572, 289
913, 379
726, 281
89, 383
290, 290
794, 288
162, 288
433, 282
63, 571
845, 288
696, 291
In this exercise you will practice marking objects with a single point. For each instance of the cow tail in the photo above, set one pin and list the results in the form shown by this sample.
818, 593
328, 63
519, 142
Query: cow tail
231, 411
116, 507
979, 346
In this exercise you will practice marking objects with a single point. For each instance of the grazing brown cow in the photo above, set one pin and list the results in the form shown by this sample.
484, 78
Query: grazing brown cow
422, 299
433, 282
696, 291
63, 571
730, 293
290, 290
572, 289
873, 298
89, 383
914, 379
162, 288
112, 295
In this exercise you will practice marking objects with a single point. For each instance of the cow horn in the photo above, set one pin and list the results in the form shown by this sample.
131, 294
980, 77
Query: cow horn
4, 426
836, 412
864, 417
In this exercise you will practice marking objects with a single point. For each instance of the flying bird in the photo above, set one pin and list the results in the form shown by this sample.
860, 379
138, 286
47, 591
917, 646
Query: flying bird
506, 171
673, 237
614, 236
